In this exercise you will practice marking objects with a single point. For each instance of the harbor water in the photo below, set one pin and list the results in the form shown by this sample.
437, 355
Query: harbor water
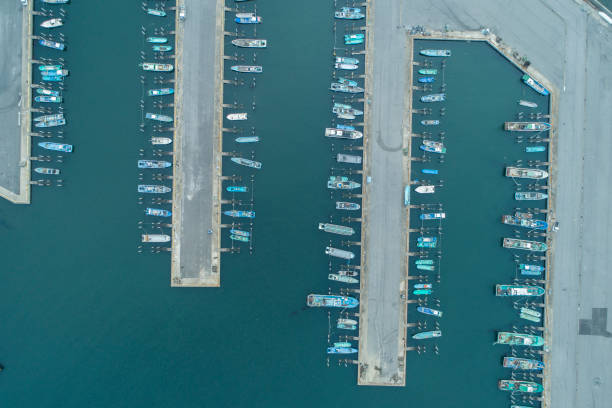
88, 321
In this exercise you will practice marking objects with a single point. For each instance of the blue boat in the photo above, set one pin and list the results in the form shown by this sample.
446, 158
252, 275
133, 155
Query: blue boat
527, 269
433, 216
426, 80
240, 214
331, 301
348, 13
535, 85
428, 311
237, 189
51, 123
429, 171
158, 212
344, 127
535, 149
58, 147
247, 18
341, 350
247, 139
52, 44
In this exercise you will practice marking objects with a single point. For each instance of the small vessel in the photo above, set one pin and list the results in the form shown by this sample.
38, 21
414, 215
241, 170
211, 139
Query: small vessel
52, 44
421, 292
54, 72
424, 262
519, 221
433, 216
250, 43
342, 278
348, 67
48, 99
533, 268
239, 232
422, 286
427, 242
159, 118
425, 189
433, 147
429, 171
526, 173
426, 267
341, 350
530, 196
517, 363
53, 78
156, 12
356, 36
58, 147
347, 321
240, 214
55, 1
247, 18
426, 80
346, 326
314, 300
519, 339
513, 243
237, 116
427, 335
520, 386
348, 158
237, 189
157, 140
430, 122
155, 238
345, 88
47, 170
50, 123
535, 149
347, 13
239, 238
153, 164
428, 71
347, 60
247, 139
46, 118
162, 48
343, 205
336, 229
249, 69
153, 66
157, 40
428, 311
530, 317
153, 189
49, 68
158, 212
246, 162
439, 97
160, 91
518, 290
52, 23
526, 126
530, 312
338, 133
346, 111
342, 344
47, 92
339, 253
406, 196
528, 104
435, 53
536, 86
353, 39
348, 272
341, 183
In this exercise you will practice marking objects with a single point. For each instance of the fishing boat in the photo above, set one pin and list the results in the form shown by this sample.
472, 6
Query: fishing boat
339, 253
246, 162
156, 140
426, 267
49, 67
517, 363
52, 44
519, 339
422, 286
250, 43
427, 335
46, 118
348, 158
162, 48
346, 67
530, 314
55, 1
353, 41
356, 36
513, 243
526, 126
247, 18
433, 216
240, 232
341, 350
430, 122
48, 99
58, 147
336, 229
314, 300
428, 71
53, 78
152, 66
341, 183
348, 15
528, 104
533, 84
247, 139
338, 133
50, 123
346, 326
347, 60
347, 110
440, 97
160, 91
239, 238
237, 116
47, 170
427, 242
158, 212
240, 214
529, 196
154, 238
518, 221
520, 386
534, 268
153, 164
535, 149
347, 321
426, 80
52, 23
428, 311
425, 189
421, 292
435, 53
237, 189
424, 262
156, 12
345, 88
55, 72
159, 118
249, 69
348, 272
342, 344
343, 205
518, 290
47, 92
406, 196
157, 40
342, 278
433, 147
153, 189
429, 171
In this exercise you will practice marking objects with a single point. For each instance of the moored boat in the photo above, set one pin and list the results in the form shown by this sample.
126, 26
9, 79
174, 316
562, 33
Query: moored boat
341, 350
46, 118
426, 80
433, 147
342, 278
162, 48
429, 171
247, 18
249, 69
533, 268
339, 253
344, 66
439, 97
421, 292
239, 238
160, 91
341, 183
47, 92
153, 189
52, 44
527, 126
347, 60
239, 214
428, 311
237, 116
430, 122
158, 212
58, 147
432, 216
155, 67
314, 300
527, 173
348, 158
342, 344
520, 386
49, 68
156, 12
250, 43
425, 189
48, 99
158, 117
535, 85
240, 232
237, 189
518, 290
157, 140
247, 139
519, 221
427, 242
348, 272
517, 363
345, 88
435, 53
47, 170
513, 243
153, 164
424, 262
530, 195
528, 104
535, 149
50, 123
52, 23
347, 321
154, 238
338, 133
246, 162
54, 72
422, 286
427, 335
519, 339
428, 71
336, 229
347, 13
343, 205
426, 267
157, 40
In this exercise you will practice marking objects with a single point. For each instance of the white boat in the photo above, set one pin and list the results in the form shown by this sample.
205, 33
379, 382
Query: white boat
425, 189
52, 23
160, 140
155, 238
342, 278
237, 116
528, 104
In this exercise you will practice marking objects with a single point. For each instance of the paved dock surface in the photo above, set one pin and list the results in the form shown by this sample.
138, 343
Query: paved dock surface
195, 255
570, 45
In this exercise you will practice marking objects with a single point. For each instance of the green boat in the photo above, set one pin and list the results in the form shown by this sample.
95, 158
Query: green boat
424, 262
428, 71
520, 386
519, 339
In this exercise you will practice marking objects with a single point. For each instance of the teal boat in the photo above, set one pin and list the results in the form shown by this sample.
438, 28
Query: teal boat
157, 40
428, 71
237, 189
421, 292
247, 139
426, 267
342, 344
427, 335
160, 91
535, 149
239, 238
240, 232
162, 48
156, 12
424, 262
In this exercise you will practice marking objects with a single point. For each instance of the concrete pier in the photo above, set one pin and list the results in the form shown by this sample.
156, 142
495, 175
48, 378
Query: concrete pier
197, 145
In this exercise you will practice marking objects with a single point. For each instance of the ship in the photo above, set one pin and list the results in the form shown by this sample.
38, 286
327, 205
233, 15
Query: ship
247, 139
153, 189
341, 350
247, 18
162, 48
337, 133
533, 84
433, 147
250, 43
153, 164
160, 91
47, 92
157, 40
435, 53
157, 140
47, 170
518, 290
249, 69
336, 229
526, 126
517, 363
237, 116
50, 123
240, 214
527, 104
348, 158
347, 60
535, 149
519, 339
428, 71
343, 205
240, 232
430, 122
246, 162
342, 278
341, 183
239, 238
432, 216
427, 242
158, 212
347, 67
339, 253
58, 147
153, 66
155, 238
52, 23
46, 118
513, 243
158, 117
439, 97
348, 272
429, 171
156, 12
52, 44
237, 189
520, 386
425, 189
426, 80
346, 13
345, 88
314, 300
48, 99
428, 311
530, 196
427, 335
518, 221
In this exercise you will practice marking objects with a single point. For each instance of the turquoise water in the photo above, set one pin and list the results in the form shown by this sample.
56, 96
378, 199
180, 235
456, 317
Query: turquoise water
87, 321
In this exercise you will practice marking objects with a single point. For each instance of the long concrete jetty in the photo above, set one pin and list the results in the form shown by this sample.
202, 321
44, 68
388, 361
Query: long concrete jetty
197, 145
